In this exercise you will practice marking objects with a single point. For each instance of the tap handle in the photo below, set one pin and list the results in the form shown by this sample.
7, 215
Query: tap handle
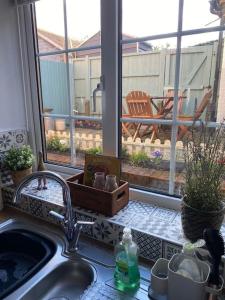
57, 215
85, 223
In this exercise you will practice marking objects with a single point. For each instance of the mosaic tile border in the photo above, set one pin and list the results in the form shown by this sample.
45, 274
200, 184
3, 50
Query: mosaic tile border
149, 230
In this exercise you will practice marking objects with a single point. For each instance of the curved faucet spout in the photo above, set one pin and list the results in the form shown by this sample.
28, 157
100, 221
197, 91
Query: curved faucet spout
50, 175
71, 228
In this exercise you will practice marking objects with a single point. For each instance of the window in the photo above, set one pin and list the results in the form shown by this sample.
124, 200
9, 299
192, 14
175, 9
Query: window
132, 91
69, 61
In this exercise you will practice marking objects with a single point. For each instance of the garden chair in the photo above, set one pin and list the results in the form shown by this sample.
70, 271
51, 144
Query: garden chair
139, 106
169, 104
182, 129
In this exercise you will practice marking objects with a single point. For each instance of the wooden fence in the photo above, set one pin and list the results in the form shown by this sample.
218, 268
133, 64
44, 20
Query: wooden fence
85, 141
152, 72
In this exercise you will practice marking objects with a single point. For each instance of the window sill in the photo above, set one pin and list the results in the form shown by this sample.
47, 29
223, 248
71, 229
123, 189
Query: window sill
135, 194
155, 236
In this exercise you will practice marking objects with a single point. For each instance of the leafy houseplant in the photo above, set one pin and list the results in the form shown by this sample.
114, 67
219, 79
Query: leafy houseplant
202, 205
19, 161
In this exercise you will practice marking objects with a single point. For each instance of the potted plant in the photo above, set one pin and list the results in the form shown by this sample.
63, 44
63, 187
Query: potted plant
202, 203
19, 162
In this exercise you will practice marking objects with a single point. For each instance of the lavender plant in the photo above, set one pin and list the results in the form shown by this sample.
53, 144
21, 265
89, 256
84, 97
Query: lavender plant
157, 157
204, 155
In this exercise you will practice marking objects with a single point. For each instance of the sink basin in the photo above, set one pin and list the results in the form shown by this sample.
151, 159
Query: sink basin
67, 282
22, 254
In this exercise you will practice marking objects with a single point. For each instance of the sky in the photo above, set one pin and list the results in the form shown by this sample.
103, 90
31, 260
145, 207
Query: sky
140, 18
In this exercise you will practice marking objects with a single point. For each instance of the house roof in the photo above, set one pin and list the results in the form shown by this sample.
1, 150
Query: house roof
56, 40
96, 40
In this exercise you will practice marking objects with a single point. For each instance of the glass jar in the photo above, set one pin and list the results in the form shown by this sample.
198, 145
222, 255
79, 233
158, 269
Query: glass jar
111, 184
99, 181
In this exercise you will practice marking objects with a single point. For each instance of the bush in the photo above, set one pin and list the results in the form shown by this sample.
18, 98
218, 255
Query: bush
95, 150
139, 159
124, 153
56, 144
19, 158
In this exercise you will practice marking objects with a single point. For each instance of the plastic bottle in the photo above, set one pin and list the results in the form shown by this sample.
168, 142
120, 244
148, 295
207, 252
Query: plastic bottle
188, 265
127, 276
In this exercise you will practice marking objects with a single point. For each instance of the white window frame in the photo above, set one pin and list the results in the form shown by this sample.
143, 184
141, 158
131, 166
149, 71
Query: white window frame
112, 77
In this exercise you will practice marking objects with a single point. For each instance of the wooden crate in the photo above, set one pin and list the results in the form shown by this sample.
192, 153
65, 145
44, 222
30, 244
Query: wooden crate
99, 201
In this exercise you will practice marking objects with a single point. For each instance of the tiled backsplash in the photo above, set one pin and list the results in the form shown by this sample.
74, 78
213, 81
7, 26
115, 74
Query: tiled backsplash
156, 230
9, 139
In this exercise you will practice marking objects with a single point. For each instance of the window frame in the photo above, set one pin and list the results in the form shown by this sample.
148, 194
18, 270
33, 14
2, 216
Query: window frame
111, 14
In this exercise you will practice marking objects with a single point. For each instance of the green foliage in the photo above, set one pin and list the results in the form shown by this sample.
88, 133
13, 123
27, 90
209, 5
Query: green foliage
124, 153
95, 150
139, 159
19, 158
204, 152
57, 144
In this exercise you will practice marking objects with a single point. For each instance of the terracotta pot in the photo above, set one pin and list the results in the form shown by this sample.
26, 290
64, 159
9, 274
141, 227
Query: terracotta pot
18, 176
194, 221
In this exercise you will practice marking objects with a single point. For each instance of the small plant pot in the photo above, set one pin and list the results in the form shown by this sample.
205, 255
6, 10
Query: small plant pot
159, 276
18, 176
194, 221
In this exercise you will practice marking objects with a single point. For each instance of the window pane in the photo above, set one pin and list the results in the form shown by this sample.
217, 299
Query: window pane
195, 134
202, 65
50, 25
88, 139
54, 86
148, 17
198, 72
201, 17
83, 20
146, 159
57, 138
85, 74
152, 74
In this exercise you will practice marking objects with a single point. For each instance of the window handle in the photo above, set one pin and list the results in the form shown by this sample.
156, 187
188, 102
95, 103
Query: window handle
100, 87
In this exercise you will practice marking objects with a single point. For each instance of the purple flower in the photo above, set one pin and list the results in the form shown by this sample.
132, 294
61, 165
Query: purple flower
157, 154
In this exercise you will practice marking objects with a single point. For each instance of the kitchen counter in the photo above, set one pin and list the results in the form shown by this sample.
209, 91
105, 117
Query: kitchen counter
99, 254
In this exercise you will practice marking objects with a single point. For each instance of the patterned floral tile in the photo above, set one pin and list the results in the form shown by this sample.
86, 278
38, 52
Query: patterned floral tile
24, 204
5, 176
170, 249
149, 246
7, 196
177, 219
138, 207
164, 214
6, 141
36, 208
53, 193
86, 229
47, 207
107, 232
135, 214
19, 137
12, 138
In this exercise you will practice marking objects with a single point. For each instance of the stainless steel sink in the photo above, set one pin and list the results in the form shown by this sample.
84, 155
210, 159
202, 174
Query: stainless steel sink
68, 281
62, 277
66, 277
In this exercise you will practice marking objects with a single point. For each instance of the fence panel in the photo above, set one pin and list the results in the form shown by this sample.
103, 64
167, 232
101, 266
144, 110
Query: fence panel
151, 72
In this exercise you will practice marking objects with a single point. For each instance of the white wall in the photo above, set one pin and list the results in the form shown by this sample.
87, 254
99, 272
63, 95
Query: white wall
12, 111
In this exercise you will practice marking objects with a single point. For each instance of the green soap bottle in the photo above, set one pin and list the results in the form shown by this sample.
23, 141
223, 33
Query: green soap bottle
127, 275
